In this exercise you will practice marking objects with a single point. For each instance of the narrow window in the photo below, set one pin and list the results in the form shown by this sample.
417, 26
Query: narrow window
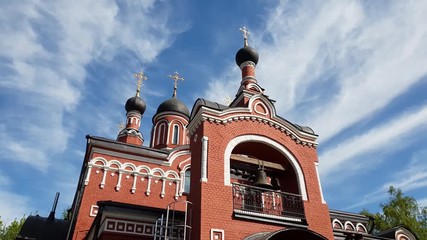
187, 181
161, 134
175, 138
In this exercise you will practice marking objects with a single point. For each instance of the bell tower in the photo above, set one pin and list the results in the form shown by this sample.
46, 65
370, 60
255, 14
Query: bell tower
257, 169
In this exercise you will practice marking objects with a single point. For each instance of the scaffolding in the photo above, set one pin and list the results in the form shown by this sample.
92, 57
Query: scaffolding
175, 224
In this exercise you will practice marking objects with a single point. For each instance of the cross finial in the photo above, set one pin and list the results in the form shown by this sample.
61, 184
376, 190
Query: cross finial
246, 33
139, 77
175, 78
227, 100
120, 126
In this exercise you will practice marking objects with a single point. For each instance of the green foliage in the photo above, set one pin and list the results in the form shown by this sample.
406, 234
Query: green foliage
400, 210
9, 232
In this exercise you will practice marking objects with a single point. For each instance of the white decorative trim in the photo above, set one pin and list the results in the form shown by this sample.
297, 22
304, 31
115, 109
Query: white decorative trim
247, 63
348, 223
204, 160
267, 112
136, 172
256, 138
403, 234
316, 164
134, 228
266, 216
93, 210
213, 230
339, 223
88, 170
362, 226
175, 131
184, 169
236, 114
175, 154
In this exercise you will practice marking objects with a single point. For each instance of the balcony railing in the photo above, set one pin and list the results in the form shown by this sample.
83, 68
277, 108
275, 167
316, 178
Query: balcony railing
265, 201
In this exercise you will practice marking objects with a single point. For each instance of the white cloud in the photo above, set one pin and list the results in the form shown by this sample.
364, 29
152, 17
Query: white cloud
422, 202
46, 48
396, 133
4, 180
412, 177
333, 64
12, 206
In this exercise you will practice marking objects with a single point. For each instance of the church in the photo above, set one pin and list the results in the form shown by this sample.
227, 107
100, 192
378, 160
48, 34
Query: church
217, 172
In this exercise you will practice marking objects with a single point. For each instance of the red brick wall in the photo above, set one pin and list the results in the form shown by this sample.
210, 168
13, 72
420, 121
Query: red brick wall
216, 207
93, 193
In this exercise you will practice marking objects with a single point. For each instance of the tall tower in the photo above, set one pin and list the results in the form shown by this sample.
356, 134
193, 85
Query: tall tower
238, 150
170, 121
135, 107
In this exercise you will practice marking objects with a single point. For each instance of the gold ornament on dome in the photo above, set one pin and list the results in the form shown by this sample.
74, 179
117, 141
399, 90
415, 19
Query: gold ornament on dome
175, 78
246, 33
120, 126
227, 100
139, 77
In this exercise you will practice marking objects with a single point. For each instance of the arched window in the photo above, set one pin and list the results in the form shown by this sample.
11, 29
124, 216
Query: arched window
175, 138
161, 134
187, 180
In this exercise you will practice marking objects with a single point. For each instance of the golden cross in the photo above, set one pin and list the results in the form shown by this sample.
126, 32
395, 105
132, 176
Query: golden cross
227, 100
120, 126
175, 78
246, 33
139, 78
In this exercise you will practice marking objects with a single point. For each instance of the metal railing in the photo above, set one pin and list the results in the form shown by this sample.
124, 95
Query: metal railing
266, 201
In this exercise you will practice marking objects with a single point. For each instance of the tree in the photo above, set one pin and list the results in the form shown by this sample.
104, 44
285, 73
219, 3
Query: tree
9, 232
400, 210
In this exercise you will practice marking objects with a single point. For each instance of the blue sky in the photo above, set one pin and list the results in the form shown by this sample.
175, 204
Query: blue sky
354, 71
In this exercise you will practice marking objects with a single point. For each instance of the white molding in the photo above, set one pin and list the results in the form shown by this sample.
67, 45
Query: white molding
403, 233
245, 114
213, 230
316, 164
93, 209
267, 216
362, 226
261, 139
247, 63
204, 160
136, 172
339, 223
348, 223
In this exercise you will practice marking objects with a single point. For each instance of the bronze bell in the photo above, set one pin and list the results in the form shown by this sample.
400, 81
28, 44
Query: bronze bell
261, 179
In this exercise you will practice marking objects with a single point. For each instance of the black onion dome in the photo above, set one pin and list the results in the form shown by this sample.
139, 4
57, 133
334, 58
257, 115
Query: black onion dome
246, 54
173, 105
135, 104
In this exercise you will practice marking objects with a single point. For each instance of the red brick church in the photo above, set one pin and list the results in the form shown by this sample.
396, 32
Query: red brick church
235, 171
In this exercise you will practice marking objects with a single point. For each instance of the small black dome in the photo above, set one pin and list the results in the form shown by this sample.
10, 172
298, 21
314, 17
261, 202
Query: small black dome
135, 104
173, 105
246, 54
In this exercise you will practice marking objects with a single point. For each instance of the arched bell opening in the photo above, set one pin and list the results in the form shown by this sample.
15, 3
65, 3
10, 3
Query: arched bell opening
266, 179
260, 165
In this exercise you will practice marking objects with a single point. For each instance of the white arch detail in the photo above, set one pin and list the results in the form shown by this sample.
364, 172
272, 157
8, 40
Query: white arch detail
360, 225
261, 139
337, 222
348, 223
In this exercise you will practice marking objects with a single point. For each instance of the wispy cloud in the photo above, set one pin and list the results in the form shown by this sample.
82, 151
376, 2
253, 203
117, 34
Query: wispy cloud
412, 177
45, 50
335, 66
13, 206
397, 132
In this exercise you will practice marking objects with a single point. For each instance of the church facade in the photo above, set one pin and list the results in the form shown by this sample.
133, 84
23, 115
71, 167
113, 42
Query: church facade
236, 171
